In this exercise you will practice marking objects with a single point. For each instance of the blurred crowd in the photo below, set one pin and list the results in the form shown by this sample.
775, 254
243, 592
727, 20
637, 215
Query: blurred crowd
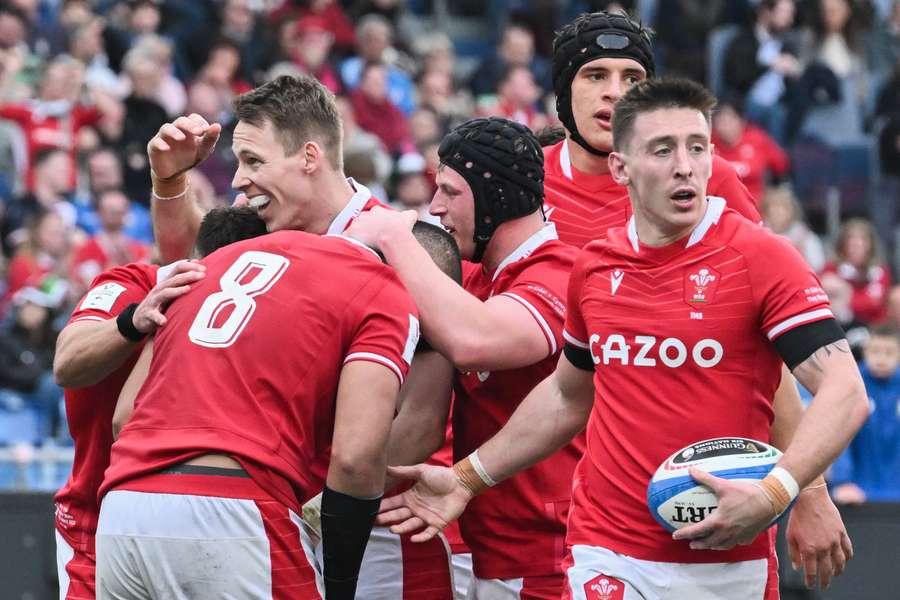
809, 115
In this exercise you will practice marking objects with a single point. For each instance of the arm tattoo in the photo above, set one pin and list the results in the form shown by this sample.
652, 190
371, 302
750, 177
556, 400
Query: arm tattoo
811, 370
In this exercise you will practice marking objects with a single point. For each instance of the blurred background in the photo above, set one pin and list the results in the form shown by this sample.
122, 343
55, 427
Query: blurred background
809, 115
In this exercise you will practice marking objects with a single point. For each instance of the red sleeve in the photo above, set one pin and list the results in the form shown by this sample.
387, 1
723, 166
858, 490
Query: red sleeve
385, 325
113, 290
783, 286
541, 288
19, 113
85, 115
726, 183
575, 330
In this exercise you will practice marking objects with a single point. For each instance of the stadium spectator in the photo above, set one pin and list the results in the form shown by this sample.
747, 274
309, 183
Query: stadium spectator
109, 247
761, 62
833, 50
783, 215
858, 261
757, 158
501, 330
517, 99
412, 188
424, 126
376, 113
308, 44
52, 192
358, 141
222, 70
840, 294
26, 358
42, 261
170, 92
682, 43
55, 117
104, 173
437, 91
516, 49
86, 45
374, 40
867, 470
213, 105
561, 405
144, 115
327, 12
883, 43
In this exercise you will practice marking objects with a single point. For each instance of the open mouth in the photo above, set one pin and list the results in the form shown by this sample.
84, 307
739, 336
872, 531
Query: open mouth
258, 202
683, 196
604, 118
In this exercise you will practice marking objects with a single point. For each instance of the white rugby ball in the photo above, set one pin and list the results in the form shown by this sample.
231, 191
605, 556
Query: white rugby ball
676, 500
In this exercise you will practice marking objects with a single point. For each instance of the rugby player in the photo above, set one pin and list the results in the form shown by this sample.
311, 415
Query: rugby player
730, 301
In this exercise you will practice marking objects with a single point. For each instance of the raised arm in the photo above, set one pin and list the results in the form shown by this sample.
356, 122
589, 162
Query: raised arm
175, 149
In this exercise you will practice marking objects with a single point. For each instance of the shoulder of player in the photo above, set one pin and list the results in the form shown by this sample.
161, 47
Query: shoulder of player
751, 240
722, 169
142, 275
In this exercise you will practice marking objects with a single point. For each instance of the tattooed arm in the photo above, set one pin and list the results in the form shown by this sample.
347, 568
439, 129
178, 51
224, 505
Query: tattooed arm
838, 409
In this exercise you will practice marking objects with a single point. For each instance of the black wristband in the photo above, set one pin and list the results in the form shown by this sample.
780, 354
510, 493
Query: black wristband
125, 323
346, 525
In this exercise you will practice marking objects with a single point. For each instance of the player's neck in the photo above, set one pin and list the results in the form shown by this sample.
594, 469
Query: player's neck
508, 237
584, 161
334, 192
656, 233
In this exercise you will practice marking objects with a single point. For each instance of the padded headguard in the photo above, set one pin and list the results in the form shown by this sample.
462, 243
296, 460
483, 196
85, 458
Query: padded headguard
589, 37
502, 162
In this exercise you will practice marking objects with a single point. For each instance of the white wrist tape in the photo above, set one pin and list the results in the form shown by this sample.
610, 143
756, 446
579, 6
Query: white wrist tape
787, 480
479, 468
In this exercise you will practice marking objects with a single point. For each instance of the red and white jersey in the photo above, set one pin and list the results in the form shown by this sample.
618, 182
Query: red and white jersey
584, 207
89, 410
249, 361
518, 527
682, 342
361, 201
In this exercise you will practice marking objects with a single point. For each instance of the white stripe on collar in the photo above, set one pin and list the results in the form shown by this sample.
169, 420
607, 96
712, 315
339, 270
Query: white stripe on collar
565, 162
353, 241
353, 208
715, 206
544, 234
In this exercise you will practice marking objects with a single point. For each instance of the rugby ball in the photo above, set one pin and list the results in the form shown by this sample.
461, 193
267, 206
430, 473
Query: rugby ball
676, 500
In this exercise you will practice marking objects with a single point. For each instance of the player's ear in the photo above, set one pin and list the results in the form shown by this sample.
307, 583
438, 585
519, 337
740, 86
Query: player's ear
618, 169
311, 155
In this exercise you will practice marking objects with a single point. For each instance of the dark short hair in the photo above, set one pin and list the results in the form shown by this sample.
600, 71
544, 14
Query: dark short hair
442, 248
657, 94
226, 225
888, 331
299, 109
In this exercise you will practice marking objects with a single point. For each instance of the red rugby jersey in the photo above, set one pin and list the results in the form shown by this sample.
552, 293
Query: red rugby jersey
89, 410
518, 527
585, 206
681, 339
248, 364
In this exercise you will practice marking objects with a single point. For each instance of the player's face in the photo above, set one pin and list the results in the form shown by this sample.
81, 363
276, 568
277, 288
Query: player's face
454, 203
666, 166
596, 88
274, 183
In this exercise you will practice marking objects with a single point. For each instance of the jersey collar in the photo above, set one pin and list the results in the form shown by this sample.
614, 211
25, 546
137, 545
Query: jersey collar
565, 162
715, 206
353, 208
355, 242
525, 249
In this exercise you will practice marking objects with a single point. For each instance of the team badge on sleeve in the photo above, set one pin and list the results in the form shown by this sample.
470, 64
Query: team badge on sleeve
102, 297
604, 587
700, 285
